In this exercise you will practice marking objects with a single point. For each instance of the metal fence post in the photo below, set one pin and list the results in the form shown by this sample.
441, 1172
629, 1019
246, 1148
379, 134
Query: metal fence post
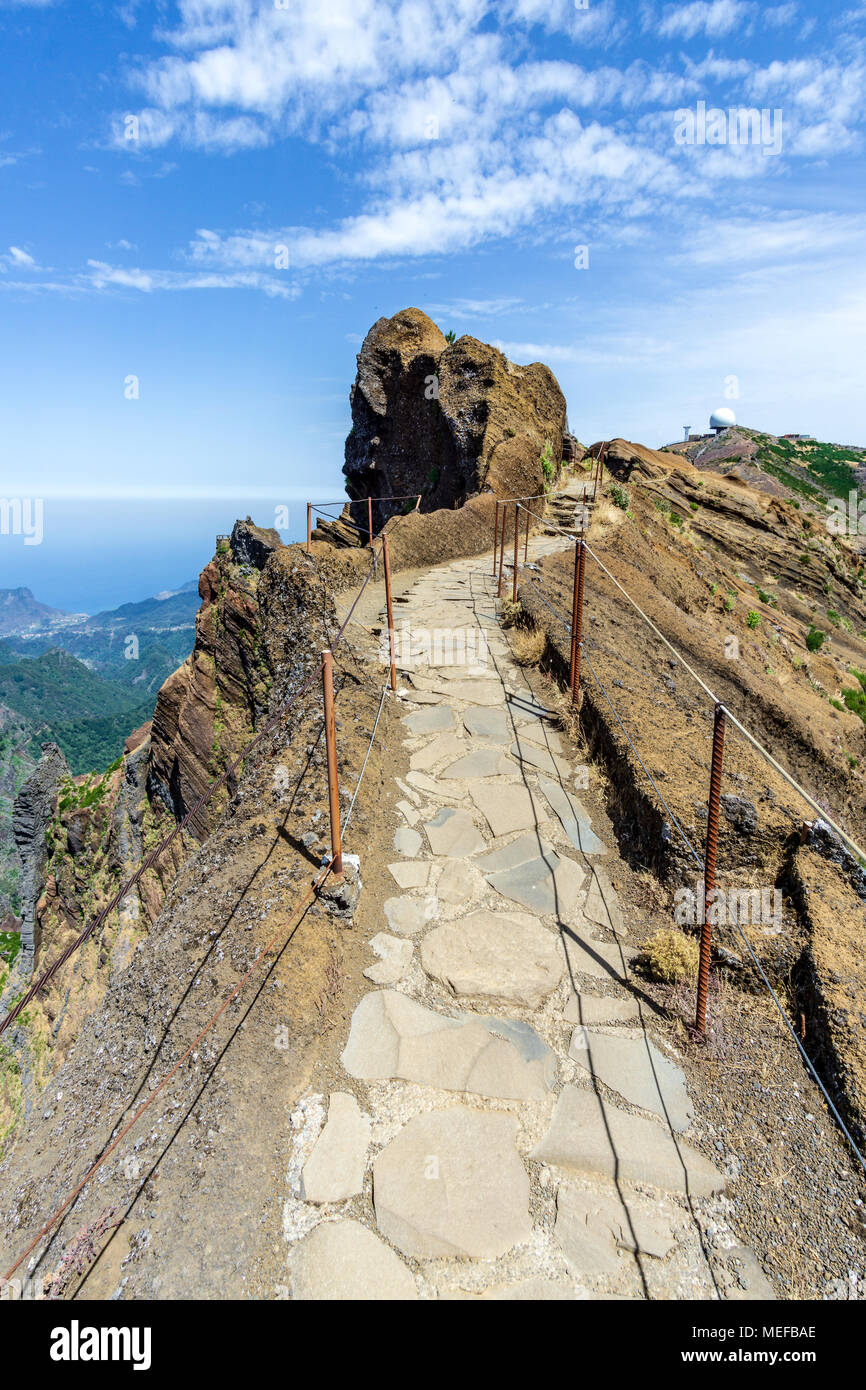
370, 520
516, 547
710, 864
309, 526
577, 617
331, 748
501, 550
526, 542
495, 536
390, 607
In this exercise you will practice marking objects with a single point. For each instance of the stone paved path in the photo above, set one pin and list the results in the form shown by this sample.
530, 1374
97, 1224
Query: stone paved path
509, 1127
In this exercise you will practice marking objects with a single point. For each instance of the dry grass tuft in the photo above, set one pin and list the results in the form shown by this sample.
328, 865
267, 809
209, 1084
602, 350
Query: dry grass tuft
671, 957
509, 612
528, 645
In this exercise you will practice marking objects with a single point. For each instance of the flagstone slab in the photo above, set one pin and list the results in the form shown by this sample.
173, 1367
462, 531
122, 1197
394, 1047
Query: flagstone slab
459, 882
593, 1226
508, 807
532, 755
574, 819
454, 833
482, 762
493, 725
529, 872
476, 667
407, 842
496, 956
394, 1037
524, 707
602, 902
474, 692
535, 1290
335, 1169
420, 697
520, 851
446, 746
407, 916
410, 813
415, 874
452, 1185
344, 1261
430, 721
589, 1135
592, 1008
601, 959
395, 957
539, 732
430, 786
635, 1068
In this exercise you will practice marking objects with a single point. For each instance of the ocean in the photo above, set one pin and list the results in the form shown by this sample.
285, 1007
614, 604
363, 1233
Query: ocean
97, 554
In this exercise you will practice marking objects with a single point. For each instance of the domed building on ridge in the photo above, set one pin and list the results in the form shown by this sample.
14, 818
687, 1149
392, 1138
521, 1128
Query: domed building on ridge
722, 420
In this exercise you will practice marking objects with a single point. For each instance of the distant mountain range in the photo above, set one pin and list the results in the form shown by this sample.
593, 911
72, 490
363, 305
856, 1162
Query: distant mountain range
83, 682
137, 644
21, 612
808, 472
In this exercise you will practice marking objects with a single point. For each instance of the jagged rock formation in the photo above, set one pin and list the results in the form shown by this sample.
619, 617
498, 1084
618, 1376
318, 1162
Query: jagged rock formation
34, 808
447, 420
253, 545
206, 710
774, 543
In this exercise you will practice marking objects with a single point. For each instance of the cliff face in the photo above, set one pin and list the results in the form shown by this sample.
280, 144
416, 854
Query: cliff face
207, 709
80, 838
33, 809
447, 420
228, 896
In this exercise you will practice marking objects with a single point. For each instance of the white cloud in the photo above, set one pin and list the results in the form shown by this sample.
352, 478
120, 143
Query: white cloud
792, 236
22, 259
715, 18
103, 276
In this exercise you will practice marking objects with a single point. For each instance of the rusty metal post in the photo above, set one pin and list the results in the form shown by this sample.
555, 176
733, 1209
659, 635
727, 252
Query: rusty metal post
309, 526
501, 549
331, 747
516, 548
390, 607
495, 536
577, 618
526, 542
710, 864
418, 503
370, 520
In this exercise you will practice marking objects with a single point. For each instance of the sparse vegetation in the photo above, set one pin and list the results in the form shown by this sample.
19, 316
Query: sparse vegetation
528, 645
510, 613
620, 497
815, 638
670, 957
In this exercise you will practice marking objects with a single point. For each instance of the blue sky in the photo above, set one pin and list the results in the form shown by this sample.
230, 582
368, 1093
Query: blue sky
451, 154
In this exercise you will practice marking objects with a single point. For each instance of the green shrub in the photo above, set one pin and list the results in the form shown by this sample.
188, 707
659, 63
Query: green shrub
620, 497
815, 638
753, 619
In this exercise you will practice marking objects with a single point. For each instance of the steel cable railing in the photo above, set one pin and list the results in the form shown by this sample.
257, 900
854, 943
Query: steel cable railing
698, 858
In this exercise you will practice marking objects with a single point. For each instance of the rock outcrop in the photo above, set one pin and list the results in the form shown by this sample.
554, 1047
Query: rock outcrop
207, 709
252, 544
33, 813
447, 420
